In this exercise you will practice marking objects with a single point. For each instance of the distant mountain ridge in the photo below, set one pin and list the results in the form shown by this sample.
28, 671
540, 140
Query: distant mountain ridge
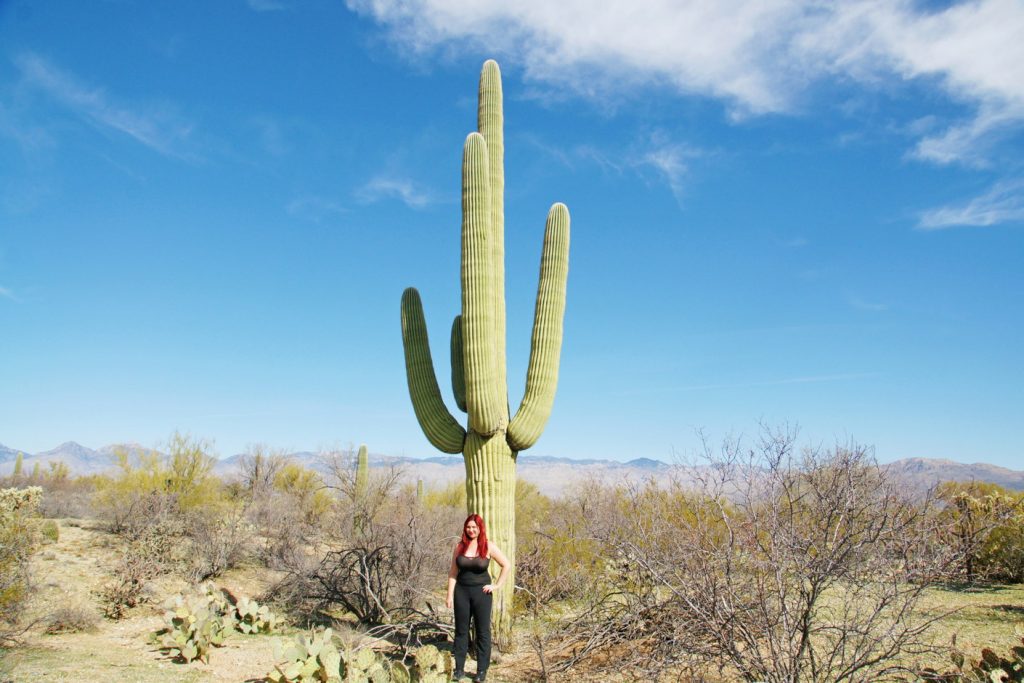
551, 474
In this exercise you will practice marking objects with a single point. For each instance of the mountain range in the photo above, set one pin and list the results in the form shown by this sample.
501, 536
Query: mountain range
552, 475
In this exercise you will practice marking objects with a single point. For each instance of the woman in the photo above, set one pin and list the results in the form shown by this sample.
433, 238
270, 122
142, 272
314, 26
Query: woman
470, 589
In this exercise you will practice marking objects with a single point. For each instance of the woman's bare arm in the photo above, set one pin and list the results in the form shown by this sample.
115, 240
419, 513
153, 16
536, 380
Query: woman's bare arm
453, 571
503, 562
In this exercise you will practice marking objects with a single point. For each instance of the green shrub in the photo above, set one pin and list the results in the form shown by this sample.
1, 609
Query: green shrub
50, 530
18, 538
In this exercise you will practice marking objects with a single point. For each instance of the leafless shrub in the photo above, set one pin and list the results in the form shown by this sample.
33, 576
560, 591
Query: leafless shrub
216, 543
774, 565
382, 569
71, 619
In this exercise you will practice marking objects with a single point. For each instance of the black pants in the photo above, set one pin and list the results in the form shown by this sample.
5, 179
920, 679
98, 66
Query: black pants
472, 601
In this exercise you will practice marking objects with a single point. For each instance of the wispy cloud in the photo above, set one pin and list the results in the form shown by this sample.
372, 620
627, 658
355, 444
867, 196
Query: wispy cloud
1003, 203
758, 57
315, 209
8, 294
394, 187
669, 160
158, 128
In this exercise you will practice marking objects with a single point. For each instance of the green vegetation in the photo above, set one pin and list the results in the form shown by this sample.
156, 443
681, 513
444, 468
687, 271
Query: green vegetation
319, 658
18, 540
479, 378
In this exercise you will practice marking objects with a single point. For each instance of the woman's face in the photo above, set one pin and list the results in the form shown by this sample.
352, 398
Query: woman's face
472, 530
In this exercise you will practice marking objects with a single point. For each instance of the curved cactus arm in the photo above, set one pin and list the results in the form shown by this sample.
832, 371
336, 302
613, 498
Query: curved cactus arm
478, 315
438, 425
458, 371
490, 123
546, 343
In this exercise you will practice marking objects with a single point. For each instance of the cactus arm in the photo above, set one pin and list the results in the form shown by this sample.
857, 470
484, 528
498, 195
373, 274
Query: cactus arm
458, 370
546, 342
490, 123
478, 314
437, 423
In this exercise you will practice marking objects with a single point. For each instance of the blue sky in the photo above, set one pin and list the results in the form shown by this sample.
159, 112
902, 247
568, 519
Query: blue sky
783, 212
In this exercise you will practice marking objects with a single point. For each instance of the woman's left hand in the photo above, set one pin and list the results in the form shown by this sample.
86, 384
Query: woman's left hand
488, 588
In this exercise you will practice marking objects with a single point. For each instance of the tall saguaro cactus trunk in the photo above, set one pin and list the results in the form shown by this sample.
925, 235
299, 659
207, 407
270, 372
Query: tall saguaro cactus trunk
493, 438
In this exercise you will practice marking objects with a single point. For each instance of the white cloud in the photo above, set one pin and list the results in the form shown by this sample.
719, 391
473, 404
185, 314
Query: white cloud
157, 128
8, 294
759, 56
1003, 203
392, 187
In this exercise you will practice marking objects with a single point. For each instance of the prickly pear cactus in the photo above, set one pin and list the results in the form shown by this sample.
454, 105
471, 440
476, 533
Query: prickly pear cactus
432, 665
312, 659
192, 627
255, 618
493, 437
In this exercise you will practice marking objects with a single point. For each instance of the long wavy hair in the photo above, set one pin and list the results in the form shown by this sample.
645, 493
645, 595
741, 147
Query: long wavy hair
481, 540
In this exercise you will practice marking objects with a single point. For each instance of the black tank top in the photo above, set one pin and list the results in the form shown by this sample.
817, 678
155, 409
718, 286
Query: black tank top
472, 571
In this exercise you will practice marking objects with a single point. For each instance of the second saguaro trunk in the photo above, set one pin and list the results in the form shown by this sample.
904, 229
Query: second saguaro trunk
492, 438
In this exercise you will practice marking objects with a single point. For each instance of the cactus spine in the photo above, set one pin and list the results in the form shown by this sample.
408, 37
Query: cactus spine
479, 381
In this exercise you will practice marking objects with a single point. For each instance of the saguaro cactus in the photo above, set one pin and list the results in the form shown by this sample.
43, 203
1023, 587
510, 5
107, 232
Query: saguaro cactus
362, 472
492, 440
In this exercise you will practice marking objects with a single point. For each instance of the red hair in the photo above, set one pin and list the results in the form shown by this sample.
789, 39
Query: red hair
481, 539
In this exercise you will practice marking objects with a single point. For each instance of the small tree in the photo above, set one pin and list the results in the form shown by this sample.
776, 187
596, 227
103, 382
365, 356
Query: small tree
785, 566
983, 518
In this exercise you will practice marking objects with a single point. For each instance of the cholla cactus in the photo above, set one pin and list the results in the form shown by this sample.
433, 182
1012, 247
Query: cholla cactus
493, 438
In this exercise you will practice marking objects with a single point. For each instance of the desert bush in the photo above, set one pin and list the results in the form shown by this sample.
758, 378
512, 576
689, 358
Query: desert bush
145, 557
384, 568
149, 485
71, 619
50, 530
986, 527
216, 544
18, 539
780, 565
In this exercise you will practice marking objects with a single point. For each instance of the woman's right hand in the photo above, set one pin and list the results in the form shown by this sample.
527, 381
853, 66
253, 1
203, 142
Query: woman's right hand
448, 601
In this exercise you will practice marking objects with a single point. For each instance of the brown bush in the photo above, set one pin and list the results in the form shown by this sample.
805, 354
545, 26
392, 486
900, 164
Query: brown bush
72, 619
